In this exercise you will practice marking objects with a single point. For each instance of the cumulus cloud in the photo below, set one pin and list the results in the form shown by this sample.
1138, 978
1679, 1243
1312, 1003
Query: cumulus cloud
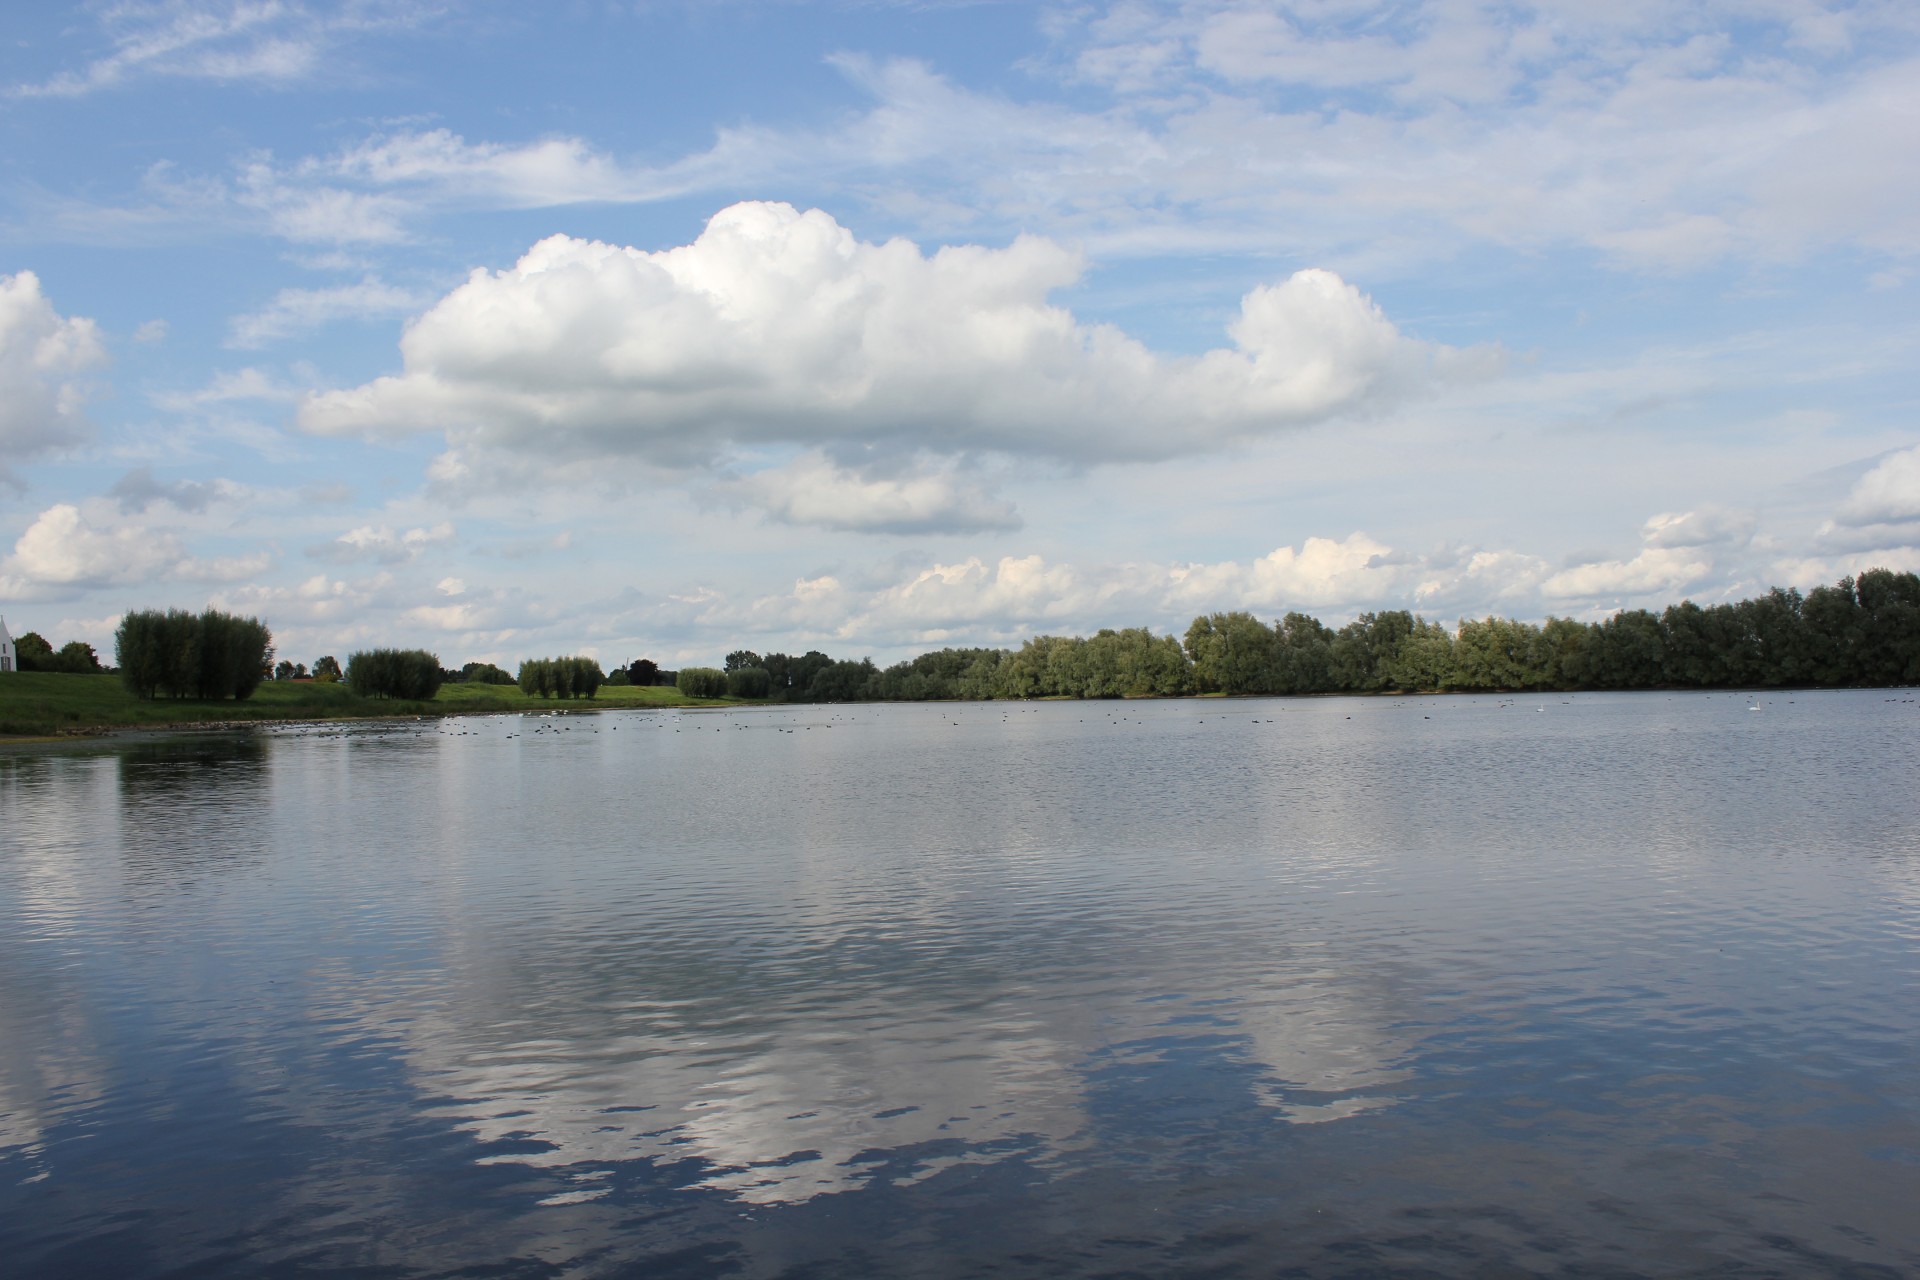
814, 490
1654, 570
382, 544
1005, 600
1703, 528
299, 311
1880, 515
1888, 494
62, 551
1677, 552
779, 327
44, 358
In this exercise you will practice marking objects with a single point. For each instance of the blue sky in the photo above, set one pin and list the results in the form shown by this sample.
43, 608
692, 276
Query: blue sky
663, 329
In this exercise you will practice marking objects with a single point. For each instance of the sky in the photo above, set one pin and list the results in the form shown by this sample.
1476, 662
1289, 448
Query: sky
665, 329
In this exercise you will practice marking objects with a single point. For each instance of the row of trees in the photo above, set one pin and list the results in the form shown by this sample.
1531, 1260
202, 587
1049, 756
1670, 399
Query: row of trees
1863, 631
561, 677
1860, 631
211, 656
33, 652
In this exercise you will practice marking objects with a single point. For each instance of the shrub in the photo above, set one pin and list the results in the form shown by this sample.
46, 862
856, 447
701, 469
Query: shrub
394, 673
749, 682
702, 682
484, 673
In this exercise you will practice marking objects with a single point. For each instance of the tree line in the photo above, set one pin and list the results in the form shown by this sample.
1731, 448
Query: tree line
1860, 631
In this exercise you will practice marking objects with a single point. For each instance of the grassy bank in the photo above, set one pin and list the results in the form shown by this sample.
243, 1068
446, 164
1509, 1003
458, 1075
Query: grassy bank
43, 704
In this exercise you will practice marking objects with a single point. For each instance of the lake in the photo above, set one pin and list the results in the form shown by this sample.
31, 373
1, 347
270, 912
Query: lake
1595, 985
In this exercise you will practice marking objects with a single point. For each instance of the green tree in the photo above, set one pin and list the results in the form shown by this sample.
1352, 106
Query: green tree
1232, 653
1496, 653
1363, 652
1302, 655
702, 682
32, 652
1424, 660
412, 674
211, 656
1889, 645
1629, 651
1564, 646
749, 682
76, 658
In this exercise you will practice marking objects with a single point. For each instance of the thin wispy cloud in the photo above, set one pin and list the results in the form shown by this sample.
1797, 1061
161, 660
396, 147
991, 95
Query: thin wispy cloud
297, 312
270, 42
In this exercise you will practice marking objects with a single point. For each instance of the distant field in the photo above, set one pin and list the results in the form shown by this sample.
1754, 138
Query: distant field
43, 704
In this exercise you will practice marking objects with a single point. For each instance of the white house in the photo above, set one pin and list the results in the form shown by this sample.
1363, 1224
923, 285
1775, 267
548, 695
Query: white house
8, 660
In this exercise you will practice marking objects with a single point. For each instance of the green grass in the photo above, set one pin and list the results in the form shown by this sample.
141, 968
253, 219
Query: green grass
40, 704
507, 697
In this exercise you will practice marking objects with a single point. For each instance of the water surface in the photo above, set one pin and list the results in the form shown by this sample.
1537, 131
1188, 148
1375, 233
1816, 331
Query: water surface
1591, 985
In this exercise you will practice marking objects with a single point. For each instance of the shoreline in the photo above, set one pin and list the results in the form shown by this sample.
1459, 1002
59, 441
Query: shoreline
97, 733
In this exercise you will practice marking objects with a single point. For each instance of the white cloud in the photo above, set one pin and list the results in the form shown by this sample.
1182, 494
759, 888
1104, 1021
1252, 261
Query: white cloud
262, 41
1655, 570
1006, 600
237, 385
382, 544
777, 326
1667, 136
300, 311
448, 168
1703, 528
813, 490
43, 359
1888, 494
1668, 133
62, 551
61, 548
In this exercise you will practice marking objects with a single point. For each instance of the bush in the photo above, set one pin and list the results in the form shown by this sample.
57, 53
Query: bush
394, 673
483, 673
749, 682
213, 656
702, 682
